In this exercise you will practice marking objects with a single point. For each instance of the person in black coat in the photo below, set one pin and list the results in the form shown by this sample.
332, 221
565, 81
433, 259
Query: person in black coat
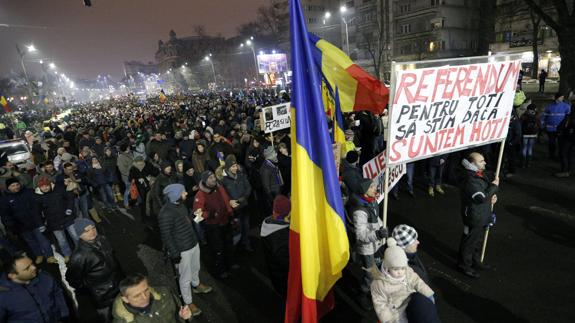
275, 239
284, 164
350, 172
93, 271
21, 216
478, 194
239, 189
140, 174
57, 205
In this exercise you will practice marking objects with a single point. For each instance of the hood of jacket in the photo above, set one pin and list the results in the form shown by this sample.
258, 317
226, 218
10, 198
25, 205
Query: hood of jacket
270, 226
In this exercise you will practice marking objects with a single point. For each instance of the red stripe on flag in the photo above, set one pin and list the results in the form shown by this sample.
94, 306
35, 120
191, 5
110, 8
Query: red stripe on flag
297, 304
370, 94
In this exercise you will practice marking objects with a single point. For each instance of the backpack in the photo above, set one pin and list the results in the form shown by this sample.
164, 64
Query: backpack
530, 126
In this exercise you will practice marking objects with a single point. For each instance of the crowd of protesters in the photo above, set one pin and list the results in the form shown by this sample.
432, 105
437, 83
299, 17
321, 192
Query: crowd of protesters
197, 170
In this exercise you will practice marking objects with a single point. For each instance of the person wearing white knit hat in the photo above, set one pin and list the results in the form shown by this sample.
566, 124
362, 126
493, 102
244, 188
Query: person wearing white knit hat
393, 286
407, 239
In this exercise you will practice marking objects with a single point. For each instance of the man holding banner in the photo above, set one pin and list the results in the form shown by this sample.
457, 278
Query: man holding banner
477, 199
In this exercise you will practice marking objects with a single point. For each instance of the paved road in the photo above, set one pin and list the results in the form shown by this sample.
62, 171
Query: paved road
531, 249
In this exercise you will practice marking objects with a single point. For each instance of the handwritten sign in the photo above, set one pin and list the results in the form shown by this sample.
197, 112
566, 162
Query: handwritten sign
276, 117
375, 170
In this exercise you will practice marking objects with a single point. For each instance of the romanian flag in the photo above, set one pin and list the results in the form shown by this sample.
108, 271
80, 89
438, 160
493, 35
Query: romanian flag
338, 126
162, 96
357, 89
5, 105
319, 248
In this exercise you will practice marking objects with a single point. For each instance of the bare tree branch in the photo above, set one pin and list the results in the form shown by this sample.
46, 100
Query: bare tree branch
547, 18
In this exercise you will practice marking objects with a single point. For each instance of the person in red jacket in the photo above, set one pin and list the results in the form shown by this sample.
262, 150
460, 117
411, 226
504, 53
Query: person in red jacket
214, 206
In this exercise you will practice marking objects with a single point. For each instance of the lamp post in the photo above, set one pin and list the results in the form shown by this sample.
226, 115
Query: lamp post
22, 53
207, 58
251, 44
342, 10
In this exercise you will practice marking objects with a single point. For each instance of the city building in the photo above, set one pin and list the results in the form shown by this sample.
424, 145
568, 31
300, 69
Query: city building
133, 68
517, 31
193, 61
433, 29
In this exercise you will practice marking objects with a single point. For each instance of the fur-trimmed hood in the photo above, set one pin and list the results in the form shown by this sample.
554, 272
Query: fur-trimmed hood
120, 310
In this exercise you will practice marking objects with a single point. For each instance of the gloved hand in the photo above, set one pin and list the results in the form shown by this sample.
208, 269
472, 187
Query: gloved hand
492, 220
381, 233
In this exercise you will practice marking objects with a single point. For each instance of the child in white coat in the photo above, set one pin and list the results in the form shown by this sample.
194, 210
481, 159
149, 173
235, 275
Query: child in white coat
392, 286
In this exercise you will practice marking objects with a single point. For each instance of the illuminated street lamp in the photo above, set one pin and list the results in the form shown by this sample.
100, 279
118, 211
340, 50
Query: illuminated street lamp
29, 49
251, 44
207, 58
52, 66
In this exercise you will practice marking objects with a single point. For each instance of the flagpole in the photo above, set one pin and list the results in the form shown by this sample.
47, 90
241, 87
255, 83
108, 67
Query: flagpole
497, 171
387, 130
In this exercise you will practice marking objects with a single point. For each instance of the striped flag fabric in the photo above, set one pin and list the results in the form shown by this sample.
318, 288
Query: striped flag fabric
5, 105
319, 248
359, 91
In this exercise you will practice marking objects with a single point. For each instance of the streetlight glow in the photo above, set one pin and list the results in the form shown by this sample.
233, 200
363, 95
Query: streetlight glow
327, 15
207, 58
52, 66
41, 62
342, 9
31, 48
261, 52
273, 51
248, 42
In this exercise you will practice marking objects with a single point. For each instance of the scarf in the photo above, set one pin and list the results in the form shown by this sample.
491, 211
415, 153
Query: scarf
368, 199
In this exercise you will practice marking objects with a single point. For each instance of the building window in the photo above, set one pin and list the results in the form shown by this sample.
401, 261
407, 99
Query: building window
434, 3
443, 45
405, 29
405, 8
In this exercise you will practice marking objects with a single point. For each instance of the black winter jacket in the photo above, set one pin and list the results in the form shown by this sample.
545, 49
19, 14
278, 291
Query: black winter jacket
19, 212
94, 269
476, 196
176, 229
238, 188
57, 207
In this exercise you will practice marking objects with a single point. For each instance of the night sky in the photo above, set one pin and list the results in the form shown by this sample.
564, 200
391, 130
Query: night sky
87, 41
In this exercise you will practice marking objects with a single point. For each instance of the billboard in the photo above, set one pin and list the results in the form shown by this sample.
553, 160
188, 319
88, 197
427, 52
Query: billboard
272, 63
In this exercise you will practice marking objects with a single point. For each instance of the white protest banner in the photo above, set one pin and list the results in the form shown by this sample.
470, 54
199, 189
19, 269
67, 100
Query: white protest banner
276, 117
375, 170
446, 108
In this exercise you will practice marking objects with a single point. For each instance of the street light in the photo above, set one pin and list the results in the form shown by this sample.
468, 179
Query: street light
52, 66
30, 49
250, 44
207, 58
343, 10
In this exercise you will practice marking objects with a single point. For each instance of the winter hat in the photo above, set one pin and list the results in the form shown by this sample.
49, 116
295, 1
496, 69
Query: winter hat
270, 153
81, 224
230, 161
44, 180
281, 207
173, 192
205, 175
394, 256
352, 156
11, 181
404, 235
66, 157
364, 184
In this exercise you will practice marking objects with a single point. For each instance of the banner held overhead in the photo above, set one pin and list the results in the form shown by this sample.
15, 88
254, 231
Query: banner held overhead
436, 110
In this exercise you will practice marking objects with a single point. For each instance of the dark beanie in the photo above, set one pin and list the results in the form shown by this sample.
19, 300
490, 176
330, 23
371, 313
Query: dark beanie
81, 224
364, 184
281, 207
11, 181
230, 161
352, 156
205, 175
